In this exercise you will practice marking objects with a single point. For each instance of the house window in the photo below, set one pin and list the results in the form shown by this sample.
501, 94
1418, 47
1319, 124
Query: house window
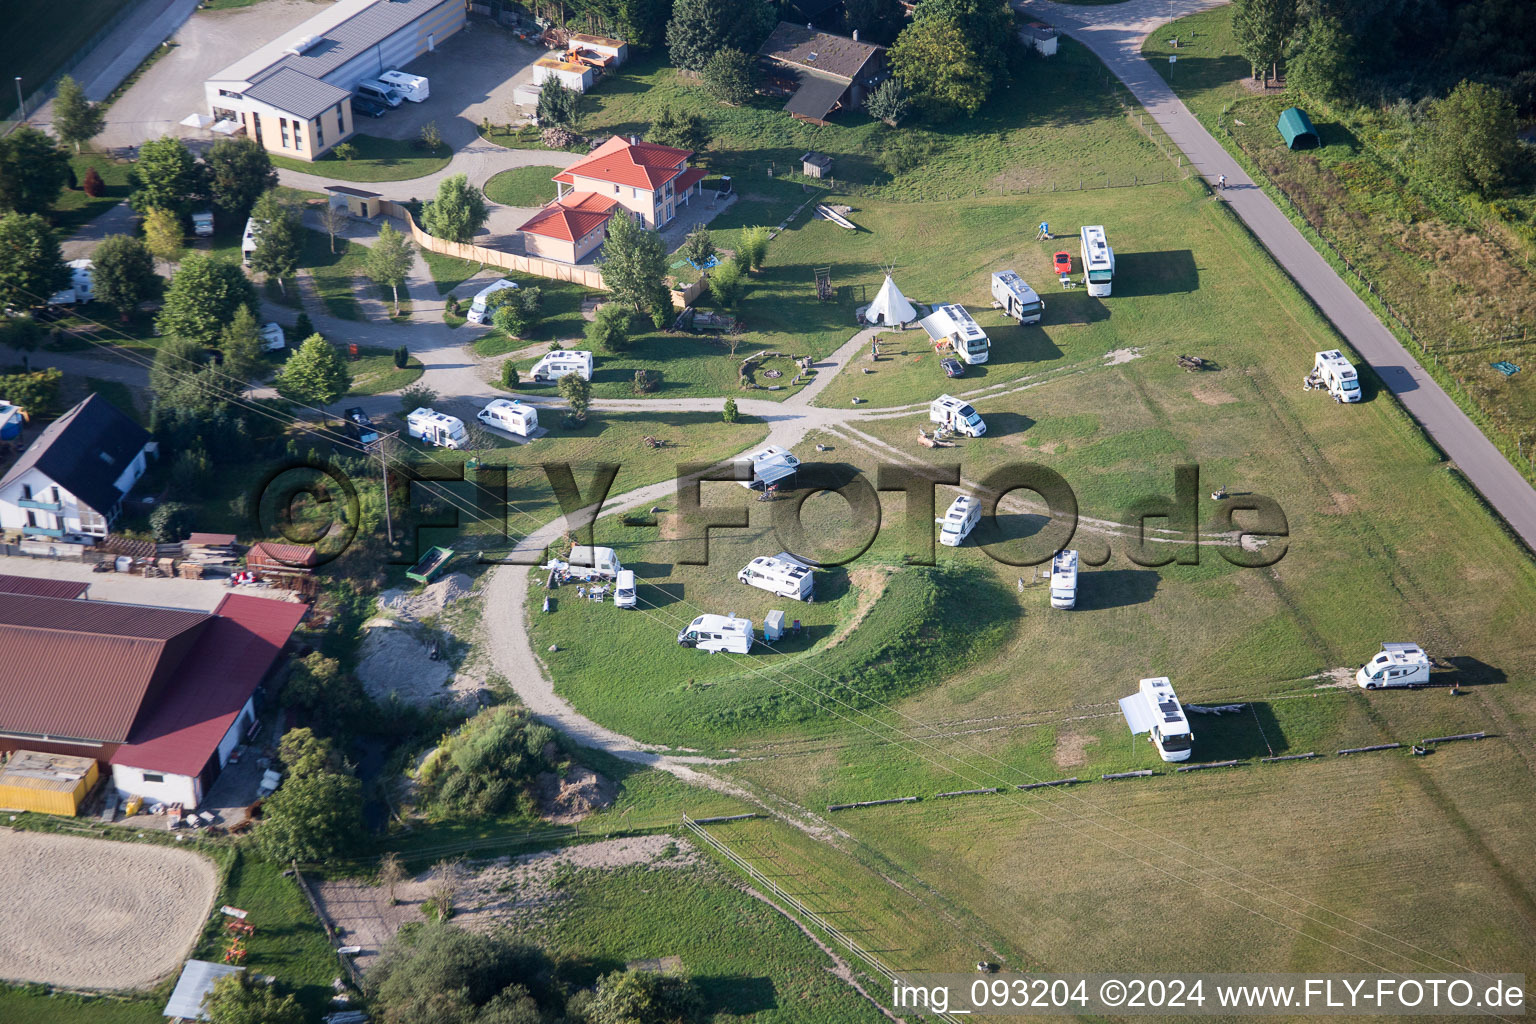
256, 126
282, 124
56, 496
320, 132
153, 777
26, 492
298, 137
31, 518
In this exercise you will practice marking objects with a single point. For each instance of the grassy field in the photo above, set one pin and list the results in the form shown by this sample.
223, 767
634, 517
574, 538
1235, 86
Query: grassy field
449, 272
377, 159
74, 208
334, 273
37, 45
20, 1005
374, 372
522, 186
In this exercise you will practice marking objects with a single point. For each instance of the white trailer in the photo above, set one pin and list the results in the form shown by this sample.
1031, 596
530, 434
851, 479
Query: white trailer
777, 576
1015, 298
560, 362
81, 288
436, 428
602, 562
248, 241
770, 464
624, 589
954, 324
510, 415
272, 337
202, 223
413, 87
1155, 709
963, 515
1396, 665
716, 633
1334, 373
952, 414
1064, 579
479, 309
1098, 261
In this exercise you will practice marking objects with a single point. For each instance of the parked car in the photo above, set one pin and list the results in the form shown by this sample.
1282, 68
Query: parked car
364, 105
952, 368
1063, 263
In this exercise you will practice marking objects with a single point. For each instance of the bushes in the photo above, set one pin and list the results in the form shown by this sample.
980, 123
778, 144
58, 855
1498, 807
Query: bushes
726, 285
93, 185
484, 767
517, 310
646, 381
609, 329
728, 414
171, 522
402, 357
417, 396
509, 375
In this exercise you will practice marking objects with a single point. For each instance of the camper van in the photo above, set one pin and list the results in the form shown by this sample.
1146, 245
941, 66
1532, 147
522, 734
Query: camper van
1015, 298
770, 464
602, 561
81, 288
411, 87
1396, 665
248, 241
1332, 371
963, 515
480, 309
379, 93
560, 362
510, 415
202, 223
715, 633
954, 415
272, 337
624, 589
791, 579
1155, 709
436, 428
1098, 261
953, 324
1064, 579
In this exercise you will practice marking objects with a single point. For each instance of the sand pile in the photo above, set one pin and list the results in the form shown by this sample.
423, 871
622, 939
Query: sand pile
430, 601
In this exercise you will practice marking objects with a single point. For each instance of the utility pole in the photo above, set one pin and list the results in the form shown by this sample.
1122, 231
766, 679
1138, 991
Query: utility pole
21, 104
381, 448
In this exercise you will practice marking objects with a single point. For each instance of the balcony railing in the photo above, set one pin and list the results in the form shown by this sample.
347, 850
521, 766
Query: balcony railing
44, 506
40, 531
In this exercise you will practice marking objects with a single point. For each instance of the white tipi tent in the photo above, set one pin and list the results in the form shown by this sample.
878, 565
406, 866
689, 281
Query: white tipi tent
890, 306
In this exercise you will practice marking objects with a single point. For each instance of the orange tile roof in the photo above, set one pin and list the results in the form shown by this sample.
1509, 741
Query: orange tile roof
571, 216
636, 164
692, 176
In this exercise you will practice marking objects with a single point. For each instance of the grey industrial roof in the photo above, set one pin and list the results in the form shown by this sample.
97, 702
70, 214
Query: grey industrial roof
196, 981
339, 33
817, 95
297, 93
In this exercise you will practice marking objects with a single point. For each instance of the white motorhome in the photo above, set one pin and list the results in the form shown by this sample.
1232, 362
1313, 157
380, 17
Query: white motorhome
624, 589
1015, 298
1098, 261
412, 87
963, 515
779, 576
248, 241
479, 309
1064, 579
272, 337
436, 428
1155, 709
560, 362
952, 414
510, 415
602, 561
1337, 375
1396, 665
770, 464
81, 288
954, 324
716, 633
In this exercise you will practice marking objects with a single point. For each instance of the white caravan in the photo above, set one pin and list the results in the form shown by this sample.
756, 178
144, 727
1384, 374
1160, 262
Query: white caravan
1064, 580
1155, 709
1015, 298
963, 515
779, 576
560, 362
510, 415
81, 288
952, 414
715, 633
601, 561
436, 428
624, 589
1337, 375
272, 337
770, 464
1098, 261
1396, 665
248, 241
412, 87
479, 309
952, 323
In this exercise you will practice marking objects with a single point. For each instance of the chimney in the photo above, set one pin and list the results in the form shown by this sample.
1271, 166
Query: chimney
855, 35
808, 27
634, 140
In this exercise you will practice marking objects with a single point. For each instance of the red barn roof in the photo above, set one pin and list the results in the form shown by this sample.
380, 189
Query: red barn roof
267, 555
571, 216
35, 586
636, 164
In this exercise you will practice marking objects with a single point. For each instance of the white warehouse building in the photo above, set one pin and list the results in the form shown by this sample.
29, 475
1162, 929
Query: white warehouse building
294, 94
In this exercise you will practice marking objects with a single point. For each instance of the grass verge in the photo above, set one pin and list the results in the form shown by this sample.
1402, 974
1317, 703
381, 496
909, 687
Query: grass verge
376, 159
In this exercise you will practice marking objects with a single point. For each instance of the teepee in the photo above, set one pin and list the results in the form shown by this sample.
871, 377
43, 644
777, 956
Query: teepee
890, 306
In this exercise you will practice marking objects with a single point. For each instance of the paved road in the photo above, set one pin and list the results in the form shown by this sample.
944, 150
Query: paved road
1115, 34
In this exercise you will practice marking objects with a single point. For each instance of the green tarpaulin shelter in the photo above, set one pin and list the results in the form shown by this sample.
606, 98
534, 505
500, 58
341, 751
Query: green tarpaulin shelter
1296, 128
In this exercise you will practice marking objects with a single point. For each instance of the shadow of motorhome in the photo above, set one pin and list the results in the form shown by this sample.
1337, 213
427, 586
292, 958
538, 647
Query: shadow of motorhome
1397, 379
1115, 588
1468, 671
1001, 424
1237, 735
1073, 308
1019, 538
1155, 273
659, 595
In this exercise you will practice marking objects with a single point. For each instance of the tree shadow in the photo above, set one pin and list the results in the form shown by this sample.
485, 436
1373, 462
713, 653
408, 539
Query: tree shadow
1156, 273
736, 995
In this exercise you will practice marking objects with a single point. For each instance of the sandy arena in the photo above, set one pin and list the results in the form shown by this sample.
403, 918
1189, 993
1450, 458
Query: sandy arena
92, 913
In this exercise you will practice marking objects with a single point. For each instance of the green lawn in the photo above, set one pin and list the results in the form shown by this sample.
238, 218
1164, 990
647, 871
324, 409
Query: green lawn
74, 208
448, 272
20, 1006
374, 372
334, 274
522, 186
561, 321
38, 44
522, 137
377, 159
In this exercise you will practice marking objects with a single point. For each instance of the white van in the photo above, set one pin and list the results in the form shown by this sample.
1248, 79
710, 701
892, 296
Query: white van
379, 93
770, 464
81, 287
624, 589
952, 414
1064, 580
1332, 371
560, 362
602, 561
778, 576
1396, 665
716, 633
510, 415
248, 241
436, 428
963, 515
412, 87
479, 309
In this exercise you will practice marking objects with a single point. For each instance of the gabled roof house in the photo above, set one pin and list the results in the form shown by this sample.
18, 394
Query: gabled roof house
822, 72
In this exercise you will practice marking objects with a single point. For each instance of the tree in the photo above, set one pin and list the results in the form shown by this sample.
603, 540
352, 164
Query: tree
389, 260
1319, 60
241, 346
33, 169
401, 357
558, 107
701, 28
179, 375
509, 375
937, 64
729, 413
643, 22
577, 393
730, 76
439, 974
519, 310
166, 177
417, 396
203, 297
1261, 28
75, 118
391, 874
123, 273
312, 817
888, 103
754, 244
36, 392
244, 999
239, 172
727, 282
431, 137
699, 247
679, 129
644, 997
1469, 139
304, 753
163, 235
609, 328
279, 242
347, 151
315, 374
634, 265
876, 21
458, 211
988, 26
171, 521
324, 694
31, 267
334, 217
93, 186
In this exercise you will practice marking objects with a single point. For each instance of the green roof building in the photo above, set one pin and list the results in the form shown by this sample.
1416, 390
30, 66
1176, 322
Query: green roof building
1296, 128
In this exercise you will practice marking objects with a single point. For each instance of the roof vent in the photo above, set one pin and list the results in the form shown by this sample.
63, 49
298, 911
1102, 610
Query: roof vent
855, 35
813, 55
300, 45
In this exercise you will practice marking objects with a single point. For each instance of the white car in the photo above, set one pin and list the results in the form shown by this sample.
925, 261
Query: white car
272, 337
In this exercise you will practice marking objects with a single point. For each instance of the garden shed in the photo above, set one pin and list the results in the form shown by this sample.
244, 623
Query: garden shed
1296, 128
46, 783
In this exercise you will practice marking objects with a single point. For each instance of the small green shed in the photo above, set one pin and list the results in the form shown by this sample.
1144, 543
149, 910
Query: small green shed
1296, 128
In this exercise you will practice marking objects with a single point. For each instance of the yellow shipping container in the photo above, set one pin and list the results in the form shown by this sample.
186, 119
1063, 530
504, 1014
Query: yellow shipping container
46, 783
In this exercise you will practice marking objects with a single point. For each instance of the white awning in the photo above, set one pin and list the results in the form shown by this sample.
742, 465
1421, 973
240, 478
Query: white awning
228, 127
197, 120
1138, 715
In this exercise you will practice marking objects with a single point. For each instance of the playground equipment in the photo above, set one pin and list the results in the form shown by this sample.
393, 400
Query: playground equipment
824, 283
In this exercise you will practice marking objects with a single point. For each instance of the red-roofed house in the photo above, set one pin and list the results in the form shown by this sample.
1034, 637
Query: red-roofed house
570, 228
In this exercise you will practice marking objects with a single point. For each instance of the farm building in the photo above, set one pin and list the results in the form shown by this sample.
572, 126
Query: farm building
46, 783
34, 586
1296, 128
359, 202
820, 71
815, 165
294, 95
159, 694
292, 559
